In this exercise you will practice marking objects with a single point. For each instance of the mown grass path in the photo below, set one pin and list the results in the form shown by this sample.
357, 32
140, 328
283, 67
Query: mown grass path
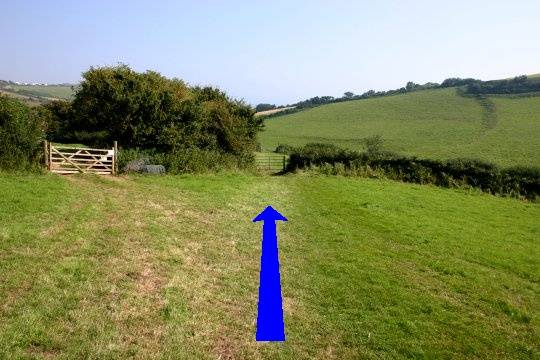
167, 267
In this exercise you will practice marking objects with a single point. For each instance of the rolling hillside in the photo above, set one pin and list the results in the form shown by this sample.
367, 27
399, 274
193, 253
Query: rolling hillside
430, 123
36, 94
47, 91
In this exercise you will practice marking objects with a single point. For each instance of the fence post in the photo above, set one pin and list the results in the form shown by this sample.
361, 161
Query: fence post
115, 158
49, 156
46, 154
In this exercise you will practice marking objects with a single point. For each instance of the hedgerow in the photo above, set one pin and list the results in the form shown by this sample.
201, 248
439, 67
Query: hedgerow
192, 160
330, 159
21, 135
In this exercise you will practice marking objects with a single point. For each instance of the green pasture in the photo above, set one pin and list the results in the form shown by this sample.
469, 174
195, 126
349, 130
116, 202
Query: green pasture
436, 124
167, 267
50, 91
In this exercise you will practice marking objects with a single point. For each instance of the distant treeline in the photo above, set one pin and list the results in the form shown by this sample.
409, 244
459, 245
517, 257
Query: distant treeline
331, 160
265, 107
518, 85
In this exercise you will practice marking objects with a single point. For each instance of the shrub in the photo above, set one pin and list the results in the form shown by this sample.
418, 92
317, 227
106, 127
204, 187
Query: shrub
374, 144
195, 161
131, 160
192, 160
21, 134
284, 149
521, 181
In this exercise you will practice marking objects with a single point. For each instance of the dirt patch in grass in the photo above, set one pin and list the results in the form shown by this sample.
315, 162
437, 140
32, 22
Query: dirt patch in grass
226, 347
13, 296
38, 351
148, 282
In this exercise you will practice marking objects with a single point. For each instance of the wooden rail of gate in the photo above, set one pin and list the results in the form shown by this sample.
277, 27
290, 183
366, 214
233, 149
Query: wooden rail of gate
71, 160
270, 162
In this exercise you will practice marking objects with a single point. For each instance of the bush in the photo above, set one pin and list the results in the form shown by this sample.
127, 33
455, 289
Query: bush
374, 144
149, 111
329, 159
21, 135
284, 149
199, 161
521, 181
132, 160
184, 161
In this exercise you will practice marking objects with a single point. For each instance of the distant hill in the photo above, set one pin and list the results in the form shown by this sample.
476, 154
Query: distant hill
36, 94
433, 123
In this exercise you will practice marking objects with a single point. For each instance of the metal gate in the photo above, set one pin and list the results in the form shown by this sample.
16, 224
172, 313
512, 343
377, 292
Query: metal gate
70, 160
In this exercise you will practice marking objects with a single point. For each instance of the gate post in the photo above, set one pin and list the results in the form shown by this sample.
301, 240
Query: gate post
115, 158
49, 156
46, 154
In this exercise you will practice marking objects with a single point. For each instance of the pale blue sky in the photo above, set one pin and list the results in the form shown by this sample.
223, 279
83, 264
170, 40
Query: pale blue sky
273, 51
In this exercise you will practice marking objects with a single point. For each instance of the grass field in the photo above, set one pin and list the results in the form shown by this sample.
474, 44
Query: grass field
167, 267
273, 111
51, 91
25, 98
432, 123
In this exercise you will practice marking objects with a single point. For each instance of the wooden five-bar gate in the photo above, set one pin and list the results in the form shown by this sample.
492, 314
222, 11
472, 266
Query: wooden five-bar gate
70, 160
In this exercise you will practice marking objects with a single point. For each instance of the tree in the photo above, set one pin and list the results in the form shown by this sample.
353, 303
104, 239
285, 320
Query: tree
369, 93
411, 86
58, 117
348, 94
149, 111
264, 107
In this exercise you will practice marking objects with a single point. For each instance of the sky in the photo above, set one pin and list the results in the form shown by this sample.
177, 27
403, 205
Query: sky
277, 51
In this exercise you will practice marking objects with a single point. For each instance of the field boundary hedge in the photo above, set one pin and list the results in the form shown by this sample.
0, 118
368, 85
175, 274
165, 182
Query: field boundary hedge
521, 182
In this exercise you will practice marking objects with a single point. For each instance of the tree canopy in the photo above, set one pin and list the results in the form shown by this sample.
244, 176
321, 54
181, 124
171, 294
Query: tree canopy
147, 110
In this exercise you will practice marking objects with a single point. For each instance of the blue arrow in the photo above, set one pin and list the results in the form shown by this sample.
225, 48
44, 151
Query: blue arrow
270, 325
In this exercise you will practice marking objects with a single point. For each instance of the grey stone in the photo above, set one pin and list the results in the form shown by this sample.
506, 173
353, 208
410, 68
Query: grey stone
153, 169
136, 165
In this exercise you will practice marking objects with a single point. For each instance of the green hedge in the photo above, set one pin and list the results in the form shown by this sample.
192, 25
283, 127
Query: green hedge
516, 181
21, 135
190, 160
